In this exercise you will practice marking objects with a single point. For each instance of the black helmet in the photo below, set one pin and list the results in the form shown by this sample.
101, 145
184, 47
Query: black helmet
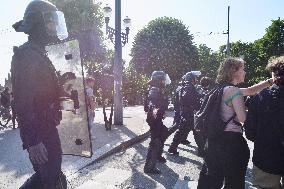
160, 78
45, 15
190, 76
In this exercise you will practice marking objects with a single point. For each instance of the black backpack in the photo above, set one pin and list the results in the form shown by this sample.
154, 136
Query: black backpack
207, 121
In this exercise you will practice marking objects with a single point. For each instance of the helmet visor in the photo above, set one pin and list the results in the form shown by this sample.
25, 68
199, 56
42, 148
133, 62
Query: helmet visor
55, 24
196, 73
167, 80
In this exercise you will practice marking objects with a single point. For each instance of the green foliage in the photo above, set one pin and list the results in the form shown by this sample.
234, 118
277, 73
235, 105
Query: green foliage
84, 19
208, 61
81, 14
134, 86
258, 53
273, 40
164, 44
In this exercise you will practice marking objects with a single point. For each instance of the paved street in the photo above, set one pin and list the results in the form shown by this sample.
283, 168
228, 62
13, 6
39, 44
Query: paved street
121, 170
15, 167
124, 170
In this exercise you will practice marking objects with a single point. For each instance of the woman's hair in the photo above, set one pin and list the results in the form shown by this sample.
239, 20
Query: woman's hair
276, 66
227, 69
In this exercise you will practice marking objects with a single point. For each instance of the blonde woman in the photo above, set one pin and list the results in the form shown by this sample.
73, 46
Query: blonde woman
227, 157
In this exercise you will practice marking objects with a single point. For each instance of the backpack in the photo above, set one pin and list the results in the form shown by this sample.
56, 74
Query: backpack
207, 120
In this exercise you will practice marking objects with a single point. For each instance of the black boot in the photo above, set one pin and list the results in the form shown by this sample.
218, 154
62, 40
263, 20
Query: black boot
152, 156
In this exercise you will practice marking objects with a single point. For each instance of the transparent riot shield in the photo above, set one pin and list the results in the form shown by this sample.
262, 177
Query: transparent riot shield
73, 129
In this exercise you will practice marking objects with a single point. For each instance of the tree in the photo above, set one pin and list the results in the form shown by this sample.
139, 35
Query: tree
258, 53
273, 40
134, 84
208, 61
250, 53
164, 44
84, 21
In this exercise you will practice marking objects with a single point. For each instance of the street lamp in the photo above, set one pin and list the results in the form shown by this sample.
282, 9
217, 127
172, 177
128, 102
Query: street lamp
112, 32
117, 38
228, 33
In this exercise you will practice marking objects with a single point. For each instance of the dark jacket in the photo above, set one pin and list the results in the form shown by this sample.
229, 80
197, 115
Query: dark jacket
177, 105
36, 92
264, 126
189, 100
159, 100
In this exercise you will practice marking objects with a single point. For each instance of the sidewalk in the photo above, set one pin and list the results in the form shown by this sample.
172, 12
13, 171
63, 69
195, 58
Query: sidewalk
15, 167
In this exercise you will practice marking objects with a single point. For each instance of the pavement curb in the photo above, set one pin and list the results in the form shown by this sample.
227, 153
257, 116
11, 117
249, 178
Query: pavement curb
122, 146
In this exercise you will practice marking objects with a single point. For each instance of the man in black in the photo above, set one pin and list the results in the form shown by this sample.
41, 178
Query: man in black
157, 104
6, 102
5, 98
264, 126
189, 101
36, 92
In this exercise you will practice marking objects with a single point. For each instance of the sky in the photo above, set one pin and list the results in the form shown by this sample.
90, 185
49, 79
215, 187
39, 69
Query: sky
248, 21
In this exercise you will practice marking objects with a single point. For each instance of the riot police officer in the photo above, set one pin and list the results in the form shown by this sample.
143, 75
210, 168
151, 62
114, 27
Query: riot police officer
157, 103
205, 85
188, 100
36, 92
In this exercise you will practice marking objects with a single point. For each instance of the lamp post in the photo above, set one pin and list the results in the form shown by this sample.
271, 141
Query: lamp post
228, 33
118, 38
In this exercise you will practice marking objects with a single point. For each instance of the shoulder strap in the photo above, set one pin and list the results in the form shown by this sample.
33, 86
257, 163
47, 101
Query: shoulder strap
231, 118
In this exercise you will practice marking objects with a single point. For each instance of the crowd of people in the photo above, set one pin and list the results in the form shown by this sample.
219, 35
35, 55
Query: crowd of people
226, 157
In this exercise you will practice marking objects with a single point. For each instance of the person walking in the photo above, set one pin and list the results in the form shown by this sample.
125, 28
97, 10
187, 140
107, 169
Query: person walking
91, 101
188, 102
36, 90
157, 104
227, 156
6, 102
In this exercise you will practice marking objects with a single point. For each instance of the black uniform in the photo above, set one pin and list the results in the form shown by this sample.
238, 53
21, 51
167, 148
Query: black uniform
36, 94
177, 106
5, 99
159, 132
188, 102
264, 126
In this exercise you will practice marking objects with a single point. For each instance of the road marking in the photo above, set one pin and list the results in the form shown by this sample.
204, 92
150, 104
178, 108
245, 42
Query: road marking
110, 178
185, 184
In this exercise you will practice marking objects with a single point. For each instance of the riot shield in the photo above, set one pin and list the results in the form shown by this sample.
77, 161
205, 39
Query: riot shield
73, 129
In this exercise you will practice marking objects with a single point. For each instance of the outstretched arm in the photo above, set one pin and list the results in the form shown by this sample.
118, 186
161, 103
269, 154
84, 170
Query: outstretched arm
257, 87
